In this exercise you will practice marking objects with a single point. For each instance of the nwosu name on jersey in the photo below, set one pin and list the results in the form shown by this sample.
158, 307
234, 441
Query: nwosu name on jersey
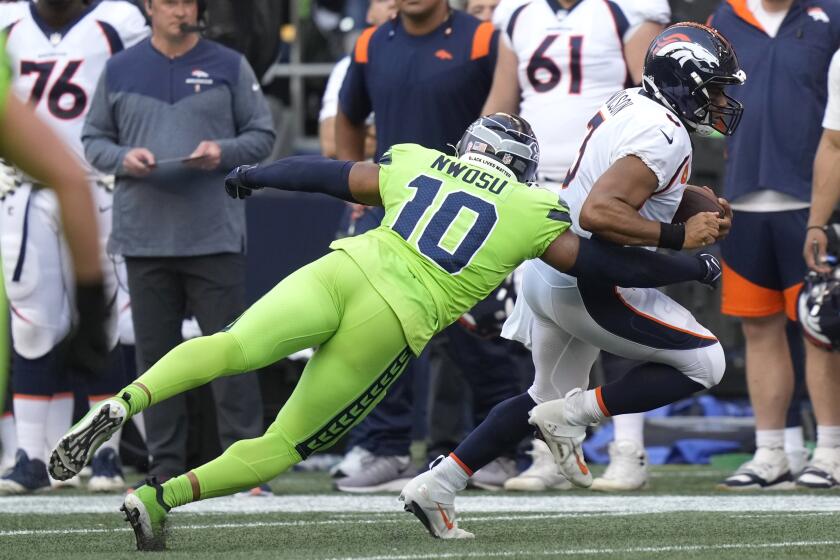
632, 124
569, 62
470, 175
56, 71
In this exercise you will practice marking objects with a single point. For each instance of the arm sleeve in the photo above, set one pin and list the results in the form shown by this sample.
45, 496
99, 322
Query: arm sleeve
310, 174
353, 97
633, 267
832, 108
550, 220
638, 12
329, 102
100, 135
662, 145
254, 125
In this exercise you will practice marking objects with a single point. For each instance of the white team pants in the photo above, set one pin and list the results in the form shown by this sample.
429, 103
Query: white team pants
566, 325
37, 268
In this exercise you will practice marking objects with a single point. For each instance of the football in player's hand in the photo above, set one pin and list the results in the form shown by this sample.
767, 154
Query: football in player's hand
695, 200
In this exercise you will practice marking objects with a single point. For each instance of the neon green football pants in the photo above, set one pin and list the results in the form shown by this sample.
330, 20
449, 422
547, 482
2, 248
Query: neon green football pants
361, 350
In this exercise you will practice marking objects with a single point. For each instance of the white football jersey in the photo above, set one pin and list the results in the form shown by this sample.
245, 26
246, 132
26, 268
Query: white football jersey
56, 70
570, 62
10, 12
632, 124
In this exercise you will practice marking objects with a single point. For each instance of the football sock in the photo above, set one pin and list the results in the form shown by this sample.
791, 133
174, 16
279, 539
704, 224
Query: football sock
630, 427
191, 364
770, 438
451, 475
8, 438
645, 387
505, 426
30, 420
58, 420
177, 491
794, 439
828, 436
245, 464
35, 382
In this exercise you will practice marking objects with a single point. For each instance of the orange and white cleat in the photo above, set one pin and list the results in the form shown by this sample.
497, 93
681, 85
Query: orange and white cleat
563, 439
433, 506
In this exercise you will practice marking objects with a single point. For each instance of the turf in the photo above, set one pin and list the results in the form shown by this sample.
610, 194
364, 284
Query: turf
681, 516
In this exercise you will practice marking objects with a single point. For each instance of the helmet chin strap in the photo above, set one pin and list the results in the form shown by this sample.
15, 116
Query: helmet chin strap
487, 163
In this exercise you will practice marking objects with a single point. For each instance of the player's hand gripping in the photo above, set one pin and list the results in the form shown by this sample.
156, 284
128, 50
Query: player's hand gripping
701, 230
234, 183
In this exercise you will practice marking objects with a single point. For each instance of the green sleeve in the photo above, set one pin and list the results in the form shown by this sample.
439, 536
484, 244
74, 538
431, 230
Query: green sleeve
553, 220
5, 75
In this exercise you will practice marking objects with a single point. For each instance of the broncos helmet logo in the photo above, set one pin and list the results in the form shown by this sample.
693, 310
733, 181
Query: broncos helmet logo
683, 51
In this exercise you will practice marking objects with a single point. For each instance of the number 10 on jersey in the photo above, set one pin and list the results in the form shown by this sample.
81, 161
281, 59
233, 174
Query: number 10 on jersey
442, 240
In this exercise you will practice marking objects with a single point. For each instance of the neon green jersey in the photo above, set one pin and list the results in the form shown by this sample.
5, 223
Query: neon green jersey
452, 232
5, 75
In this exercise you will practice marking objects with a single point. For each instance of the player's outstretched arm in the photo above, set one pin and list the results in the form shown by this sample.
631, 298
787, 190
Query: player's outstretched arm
595, 260
347, 180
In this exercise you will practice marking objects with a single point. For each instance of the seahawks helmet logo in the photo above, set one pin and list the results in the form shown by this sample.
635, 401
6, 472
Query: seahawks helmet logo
684, 51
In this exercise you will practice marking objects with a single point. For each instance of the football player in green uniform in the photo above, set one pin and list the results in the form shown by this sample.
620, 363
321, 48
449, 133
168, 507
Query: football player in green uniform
454, 228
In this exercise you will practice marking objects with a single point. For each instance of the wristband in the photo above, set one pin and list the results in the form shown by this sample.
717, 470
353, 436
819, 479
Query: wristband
821, 228
671, 236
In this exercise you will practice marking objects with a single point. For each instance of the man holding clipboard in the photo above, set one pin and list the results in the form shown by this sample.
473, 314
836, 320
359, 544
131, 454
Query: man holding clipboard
169, 118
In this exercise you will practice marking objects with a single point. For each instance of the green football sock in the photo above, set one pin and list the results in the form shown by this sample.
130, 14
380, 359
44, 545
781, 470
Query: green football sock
135, 397
177, 491
246, 464
188, 365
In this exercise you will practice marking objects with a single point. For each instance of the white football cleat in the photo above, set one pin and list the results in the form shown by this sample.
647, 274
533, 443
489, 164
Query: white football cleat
541, 475
627, 470
433, 506
563, 439
75, 449
768, 470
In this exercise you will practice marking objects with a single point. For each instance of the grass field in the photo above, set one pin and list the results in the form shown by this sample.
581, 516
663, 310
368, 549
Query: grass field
681, 516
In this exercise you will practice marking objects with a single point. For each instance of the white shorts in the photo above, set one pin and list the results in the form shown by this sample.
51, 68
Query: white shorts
38, 271
566, 325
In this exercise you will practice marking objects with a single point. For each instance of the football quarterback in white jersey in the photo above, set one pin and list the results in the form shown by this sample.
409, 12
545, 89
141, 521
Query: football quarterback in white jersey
626, 184
569, 57
57, 50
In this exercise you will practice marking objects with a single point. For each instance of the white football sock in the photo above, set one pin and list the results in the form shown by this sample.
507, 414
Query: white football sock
630, 427
114, 441
31, 424
583, 409
8, 438
828, 436
59, 418
770, 438
794, 439
451, 475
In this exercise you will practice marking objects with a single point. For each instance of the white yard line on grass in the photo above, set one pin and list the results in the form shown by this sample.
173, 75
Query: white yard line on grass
599, 551
333, 503
341, 521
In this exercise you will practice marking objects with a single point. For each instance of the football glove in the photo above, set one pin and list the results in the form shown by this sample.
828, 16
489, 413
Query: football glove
713, 270
234, 183
88, 343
